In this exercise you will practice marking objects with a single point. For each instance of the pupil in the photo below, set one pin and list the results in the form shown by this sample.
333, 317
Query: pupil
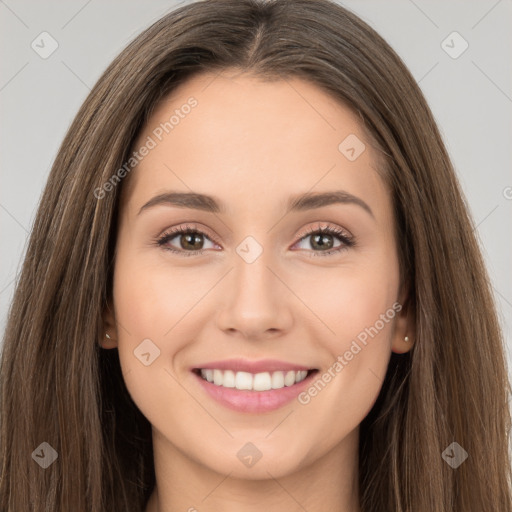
194, 239
322, 240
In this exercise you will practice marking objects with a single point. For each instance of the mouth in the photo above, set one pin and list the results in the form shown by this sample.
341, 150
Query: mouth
253, 387
246, 381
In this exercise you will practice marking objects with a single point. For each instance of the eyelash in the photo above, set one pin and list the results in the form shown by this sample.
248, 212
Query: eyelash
348, 241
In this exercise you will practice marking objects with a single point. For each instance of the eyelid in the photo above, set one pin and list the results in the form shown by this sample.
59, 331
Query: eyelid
189, 226
326, 227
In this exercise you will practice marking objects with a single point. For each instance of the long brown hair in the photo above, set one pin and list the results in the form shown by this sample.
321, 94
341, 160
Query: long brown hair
58, 386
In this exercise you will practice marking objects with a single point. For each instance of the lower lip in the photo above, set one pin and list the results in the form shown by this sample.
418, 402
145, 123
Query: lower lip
254, 401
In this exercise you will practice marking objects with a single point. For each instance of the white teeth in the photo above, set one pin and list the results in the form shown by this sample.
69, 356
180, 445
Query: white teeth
262, 382
218, 378
229, 379
243, 380
253, 382
289, 378
277, 380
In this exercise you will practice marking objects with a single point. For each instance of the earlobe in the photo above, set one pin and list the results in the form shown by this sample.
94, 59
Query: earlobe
401, 346
109, 337
108, 342
404, 333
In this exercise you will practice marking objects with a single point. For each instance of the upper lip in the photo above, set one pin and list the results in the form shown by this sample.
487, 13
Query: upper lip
245, 365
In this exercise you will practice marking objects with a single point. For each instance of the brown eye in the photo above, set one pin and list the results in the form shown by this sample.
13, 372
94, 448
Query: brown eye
191, 241
322, 241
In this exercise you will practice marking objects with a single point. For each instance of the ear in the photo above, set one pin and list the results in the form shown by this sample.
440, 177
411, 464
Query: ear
405, 324
109, 331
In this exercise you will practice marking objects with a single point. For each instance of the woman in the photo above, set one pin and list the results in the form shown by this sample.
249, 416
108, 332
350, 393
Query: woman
224, 149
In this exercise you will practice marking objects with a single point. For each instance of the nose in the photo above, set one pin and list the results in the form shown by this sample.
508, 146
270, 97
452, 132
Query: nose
256, 303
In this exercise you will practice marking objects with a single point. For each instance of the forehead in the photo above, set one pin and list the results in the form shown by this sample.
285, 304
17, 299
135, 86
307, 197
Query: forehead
236, 134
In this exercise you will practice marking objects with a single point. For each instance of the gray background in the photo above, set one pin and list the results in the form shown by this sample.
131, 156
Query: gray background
470, 96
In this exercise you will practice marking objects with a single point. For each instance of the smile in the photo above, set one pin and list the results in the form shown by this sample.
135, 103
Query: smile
253, 382
253, 386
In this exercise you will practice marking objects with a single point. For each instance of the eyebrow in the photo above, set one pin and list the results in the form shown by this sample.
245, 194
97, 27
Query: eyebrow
302, 202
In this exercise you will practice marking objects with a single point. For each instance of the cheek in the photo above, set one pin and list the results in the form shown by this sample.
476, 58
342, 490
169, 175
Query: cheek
365, 322
145, 309
145, 352
151, 298
358, 309
159, 312
347, 301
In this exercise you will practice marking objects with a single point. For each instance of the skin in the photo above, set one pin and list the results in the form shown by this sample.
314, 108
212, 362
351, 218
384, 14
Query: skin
252, 144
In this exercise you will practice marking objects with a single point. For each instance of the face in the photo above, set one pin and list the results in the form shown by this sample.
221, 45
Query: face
290, 303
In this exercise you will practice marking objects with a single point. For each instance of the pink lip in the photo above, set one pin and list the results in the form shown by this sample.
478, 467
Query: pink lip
253, 401
244, 365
